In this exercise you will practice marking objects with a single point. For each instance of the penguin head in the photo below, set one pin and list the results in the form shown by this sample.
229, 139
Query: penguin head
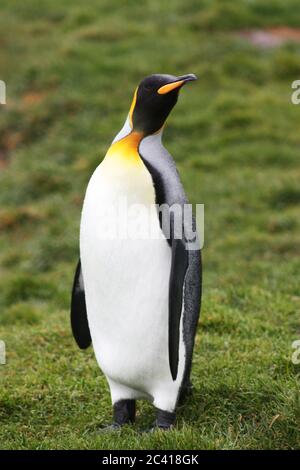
153, 101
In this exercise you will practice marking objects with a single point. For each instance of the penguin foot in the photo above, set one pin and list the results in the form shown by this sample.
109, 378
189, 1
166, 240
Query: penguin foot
124, 412
165, 420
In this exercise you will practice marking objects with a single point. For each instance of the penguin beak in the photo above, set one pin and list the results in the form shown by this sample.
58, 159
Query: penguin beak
190, 77
179, 82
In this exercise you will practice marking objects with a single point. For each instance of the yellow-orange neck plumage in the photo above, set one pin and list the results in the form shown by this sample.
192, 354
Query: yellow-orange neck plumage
126, 149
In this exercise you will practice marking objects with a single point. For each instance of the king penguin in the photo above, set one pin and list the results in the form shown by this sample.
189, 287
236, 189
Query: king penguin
137, 298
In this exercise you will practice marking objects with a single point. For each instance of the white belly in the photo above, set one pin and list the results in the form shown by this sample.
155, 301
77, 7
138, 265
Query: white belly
126, 285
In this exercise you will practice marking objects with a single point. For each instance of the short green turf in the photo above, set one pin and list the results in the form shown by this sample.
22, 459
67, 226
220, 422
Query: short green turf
71, 68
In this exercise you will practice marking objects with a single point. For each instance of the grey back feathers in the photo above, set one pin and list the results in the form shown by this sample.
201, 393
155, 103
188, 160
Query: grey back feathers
157, 157
169, 190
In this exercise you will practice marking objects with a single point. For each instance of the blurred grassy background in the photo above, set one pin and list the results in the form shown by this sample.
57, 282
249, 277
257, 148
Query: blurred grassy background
70, 69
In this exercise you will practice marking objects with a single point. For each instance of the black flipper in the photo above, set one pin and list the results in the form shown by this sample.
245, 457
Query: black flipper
185, 273
178, 270
79, 321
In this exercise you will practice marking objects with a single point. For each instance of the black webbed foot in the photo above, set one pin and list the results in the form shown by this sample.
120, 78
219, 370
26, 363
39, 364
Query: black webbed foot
165, 420
123, 413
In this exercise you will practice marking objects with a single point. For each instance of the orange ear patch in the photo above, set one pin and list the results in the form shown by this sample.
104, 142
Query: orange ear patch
169, 87
132, 108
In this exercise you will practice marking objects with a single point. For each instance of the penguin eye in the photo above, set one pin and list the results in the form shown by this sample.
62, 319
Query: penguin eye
147, 88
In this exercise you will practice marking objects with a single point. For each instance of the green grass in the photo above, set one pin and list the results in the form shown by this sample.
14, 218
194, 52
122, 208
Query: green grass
70, 70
